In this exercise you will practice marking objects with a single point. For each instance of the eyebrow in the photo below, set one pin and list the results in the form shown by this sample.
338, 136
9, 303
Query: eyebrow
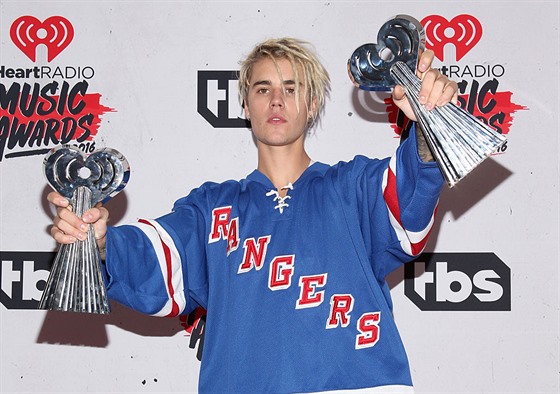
266, 82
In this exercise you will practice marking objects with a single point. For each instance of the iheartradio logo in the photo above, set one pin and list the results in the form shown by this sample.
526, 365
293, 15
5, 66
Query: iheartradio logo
55, 33
464, 32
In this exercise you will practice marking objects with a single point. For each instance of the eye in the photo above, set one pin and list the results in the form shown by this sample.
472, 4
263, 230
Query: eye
290, 91
262, 91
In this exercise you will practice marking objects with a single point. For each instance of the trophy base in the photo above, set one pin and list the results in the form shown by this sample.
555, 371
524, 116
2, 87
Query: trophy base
76, 283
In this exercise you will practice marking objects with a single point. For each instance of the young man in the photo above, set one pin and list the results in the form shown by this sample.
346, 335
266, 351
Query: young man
290, 263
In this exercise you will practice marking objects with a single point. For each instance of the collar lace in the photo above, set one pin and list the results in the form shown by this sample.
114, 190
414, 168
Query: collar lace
281, 200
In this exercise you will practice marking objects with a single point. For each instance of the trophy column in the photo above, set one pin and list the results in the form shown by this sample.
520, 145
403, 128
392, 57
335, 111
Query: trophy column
76, 283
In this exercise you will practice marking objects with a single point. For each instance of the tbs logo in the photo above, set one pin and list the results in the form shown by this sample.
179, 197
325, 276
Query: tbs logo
218, 101
23, 277
459, 282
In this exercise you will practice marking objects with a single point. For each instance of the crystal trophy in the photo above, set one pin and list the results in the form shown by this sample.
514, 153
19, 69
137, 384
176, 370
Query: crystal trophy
458, 140
76, 282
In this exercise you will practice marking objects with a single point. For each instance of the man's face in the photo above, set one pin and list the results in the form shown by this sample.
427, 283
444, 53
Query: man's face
271, 106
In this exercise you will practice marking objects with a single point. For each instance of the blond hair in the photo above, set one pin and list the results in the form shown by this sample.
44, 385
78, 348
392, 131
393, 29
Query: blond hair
316, 81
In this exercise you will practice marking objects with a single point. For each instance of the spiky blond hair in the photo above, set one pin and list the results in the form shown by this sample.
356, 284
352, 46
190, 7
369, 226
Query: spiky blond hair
315, 79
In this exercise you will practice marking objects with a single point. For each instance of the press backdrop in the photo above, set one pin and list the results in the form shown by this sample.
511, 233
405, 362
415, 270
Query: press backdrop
478, 311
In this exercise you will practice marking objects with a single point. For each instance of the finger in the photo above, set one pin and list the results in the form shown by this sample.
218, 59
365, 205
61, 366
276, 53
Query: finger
398, 93
61, 237
436, 95
69, 223
425, 62
449, 94
70, 230
92, 215
95, 214
104, 214
427, 87
98, 217
57, 199
69, 216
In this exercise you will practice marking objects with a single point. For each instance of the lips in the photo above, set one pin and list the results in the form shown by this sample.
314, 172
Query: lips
276, 119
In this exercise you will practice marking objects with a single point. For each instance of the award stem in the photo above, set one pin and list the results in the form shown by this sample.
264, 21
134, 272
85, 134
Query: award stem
76, 283
458, 140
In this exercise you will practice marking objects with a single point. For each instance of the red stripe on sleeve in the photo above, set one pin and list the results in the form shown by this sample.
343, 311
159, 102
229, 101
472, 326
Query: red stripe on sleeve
168, 263
392, 200
390, 195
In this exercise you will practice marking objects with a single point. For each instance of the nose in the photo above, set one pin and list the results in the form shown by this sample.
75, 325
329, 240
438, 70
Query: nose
277, 98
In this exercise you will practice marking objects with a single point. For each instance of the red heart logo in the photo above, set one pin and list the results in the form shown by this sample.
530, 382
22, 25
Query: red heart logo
464, 31
27, 32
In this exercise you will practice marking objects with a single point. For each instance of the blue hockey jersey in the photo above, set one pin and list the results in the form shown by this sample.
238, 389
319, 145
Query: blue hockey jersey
294, 286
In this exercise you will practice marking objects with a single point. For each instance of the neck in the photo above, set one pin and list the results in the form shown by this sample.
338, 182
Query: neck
282, 165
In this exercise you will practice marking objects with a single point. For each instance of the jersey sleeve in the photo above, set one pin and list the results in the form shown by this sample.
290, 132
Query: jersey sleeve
411, 190
157, 266
396, 201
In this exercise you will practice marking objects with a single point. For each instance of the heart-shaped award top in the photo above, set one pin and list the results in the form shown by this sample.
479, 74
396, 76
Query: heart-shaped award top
105, 172
399, 40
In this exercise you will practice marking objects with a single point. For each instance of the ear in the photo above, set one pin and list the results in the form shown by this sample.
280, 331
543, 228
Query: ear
312, 112
246, 110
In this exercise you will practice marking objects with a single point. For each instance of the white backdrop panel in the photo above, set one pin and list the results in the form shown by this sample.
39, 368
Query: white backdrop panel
146, 56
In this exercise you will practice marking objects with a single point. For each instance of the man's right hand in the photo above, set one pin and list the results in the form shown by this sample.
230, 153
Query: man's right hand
68, 228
